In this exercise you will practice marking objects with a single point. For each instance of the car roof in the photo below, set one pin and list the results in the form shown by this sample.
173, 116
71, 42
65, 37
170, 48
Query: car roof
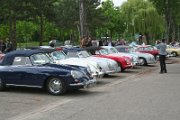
9, 57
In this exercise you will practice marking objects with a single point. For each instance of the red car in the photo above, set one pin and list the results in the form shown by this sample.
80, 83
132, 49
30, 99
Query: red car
148, 49
123, 61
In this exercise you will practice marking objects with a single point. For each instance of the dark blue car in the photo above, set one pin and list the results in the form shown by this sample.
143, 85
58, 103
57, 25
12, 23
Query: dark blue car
33, 68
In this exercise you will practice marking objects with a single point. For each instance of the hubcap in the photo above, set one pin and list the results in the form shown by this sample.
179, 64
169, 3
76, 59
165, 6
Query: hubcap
174, 54
55, 85
141, 61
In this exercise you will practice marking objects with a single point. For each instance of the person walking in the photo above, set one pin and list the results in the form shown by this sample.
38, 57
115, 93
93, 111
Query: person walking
162, 55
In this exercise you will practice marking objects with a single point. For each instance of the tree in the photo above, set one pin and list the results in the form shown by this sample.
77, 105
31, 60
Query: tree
42, 10
142, 17
11, 11
170, 10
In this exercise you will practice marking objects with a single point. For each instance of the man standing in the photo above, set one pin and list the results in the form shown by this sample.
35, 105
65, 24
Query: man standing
162, 55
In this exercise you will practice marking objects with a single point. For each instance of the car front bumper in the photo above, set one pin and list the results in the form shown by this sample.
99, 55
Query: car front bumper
86, 84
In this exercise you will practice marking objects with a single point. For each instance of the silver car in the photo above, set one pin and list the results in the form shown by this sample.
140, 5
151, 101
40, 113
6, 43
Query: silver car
144, 58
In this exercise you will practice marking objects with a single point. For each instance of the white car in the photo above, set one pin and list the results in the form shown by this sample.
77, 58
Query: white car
144, 58
113, 51
108, 66
60, 57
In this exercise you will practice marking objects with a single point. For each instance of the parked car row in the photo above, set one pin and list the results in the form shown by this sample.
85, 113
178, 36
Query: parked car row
60, 69
174, 51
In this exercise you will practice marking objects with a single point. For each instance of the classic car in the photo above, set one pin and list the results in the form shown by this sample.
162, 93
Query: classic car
174, 51
114, 51
33, 68
59, 57
108, 66
123, 61
144, 58
147, 49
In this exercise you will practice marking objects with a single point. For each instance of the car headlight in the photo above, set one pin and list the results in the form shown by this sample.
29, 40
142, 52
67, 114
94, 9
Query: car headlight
127, 60
76, 74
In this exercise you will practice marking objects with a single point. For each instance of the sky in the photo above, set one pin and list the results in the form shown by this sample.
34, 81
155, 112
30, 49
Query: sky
117, 2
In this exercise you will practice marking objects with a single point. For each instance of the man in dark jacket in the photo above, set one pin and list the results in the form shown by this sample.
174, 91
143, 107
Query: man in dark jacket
162, 55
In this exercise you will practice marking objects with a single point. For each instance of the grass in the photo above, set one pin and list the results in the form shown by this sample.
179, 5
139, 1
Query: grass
30, 44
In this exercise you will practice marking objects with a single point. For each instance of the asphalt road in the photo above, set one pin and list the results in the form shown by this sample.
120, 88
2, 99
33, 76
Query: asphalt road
137, 94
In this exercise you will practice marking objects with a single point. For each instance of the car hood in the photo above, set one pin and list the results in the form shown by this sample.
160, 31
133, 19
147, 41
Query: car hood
77, 61
121, 54
142, 54
62, 67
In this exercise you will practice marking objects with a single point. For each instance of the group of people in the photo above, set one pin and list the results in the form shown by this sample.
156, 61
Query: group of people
6, 46
87, 41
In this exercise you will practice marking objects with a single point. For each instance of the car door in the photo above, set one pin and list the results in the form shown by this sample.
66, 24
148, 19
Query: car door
22, 73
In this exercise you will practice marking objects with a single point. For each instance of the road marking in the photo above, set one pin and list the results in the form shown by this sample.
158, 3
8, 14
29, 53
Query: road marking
38, 112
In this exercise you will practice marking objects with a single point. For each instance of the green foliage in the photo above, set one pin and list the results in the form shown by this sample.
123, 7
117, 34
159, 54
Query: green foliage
170, 10
42, 20
4, 31
142, 17
113, 24
51, 31
25, 30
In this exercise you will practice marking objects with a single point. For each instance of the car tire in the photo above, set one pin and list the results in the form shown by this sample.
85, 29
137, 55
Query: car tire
156, 57
174, 54
56, 86
142, 61
2, 85
121, 69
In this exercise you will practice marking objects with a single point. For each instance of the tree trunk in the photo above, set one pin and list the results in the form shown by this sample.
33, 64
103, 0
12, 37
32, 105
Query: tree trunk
147, 38
41, 30
14, 42
12, 30
82, 19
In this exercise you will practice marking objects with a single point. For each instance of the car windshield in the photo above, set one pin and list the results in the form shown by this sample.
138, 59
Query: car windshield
58, 55
124, 49
131, 49
78, 54
103, 51
83, 54
39, 59
113, 50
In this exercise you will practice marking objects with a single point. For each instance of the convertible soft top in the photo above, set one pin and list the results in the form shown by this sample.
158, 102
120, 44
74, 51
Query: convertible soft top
9, 57
66, 50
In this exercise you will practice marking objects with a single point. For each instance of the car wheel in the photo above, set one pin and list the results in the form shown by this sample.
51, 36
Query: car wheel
2, 85
142, 61
56, 86
121, 69
156, 57
174, 54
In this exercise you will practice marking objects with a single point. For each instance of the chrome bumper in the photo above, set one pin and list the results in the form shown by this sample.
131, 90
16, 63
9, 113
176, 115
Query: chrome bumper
113, 71
89, 83
98, 74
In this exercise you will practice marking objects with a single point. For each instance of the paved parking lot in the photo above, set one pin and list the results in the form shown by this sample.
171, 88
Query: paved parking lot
26, 103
